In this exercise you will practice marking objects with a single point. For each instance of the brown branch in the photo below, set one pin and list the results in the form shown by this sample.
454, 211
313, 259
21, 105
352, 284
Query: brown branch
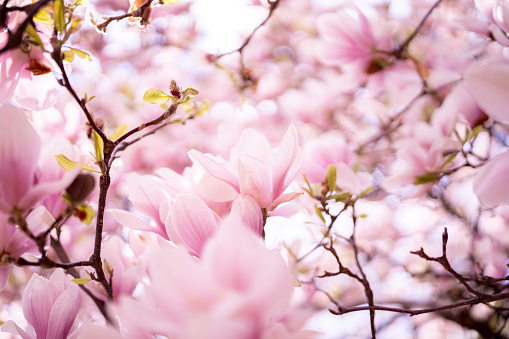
273, 5
442, 260
137, 13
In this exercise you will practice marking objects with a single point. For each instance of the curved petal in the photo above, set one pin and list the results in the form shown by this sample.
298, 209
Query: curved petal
37, 303
215, 168
255, 180
11, 64
11, 327
131, 220
492, 183
193, 220
63, 313
489, 85
19, 152
249, 212
285, 159
4, 275
36, 92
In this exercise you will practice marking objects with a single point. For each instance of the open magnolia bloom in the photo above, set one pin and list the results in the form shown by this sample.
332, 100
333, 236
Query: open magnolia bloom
488, 83
20, 146
255, 170
20, 187
49, 306
239, 289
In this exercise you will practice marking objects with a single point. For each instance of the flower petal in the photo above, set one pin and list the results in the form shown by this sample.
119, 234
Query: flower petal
193, 221
215, 168
492, 183
255, 180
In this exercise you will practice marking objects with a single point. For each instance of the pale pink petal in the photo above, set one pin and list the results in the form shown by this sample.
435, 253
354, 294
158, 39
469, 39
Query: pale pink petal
130, 220
492, 182
215, 168
63, 313
282, 199
13, 328
285, 159
240, 262
37, 303
145, 194
255, 180
249, 212
193, 221
4, 275
254, 144
19, 153
36, 92
489, 86
11, 64
41, 191
58, 283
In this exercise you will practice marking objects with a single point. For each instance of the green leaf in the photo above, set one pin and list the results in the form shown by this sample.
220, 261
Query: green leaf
340, 196
68, 56
81, 281
164, 106
331, 178
99, 147
170, 2
156, 96
118, 132
319, 212
307, 183
190, 91
449, 159
81, 54
58, 15
426, 178
32, 32
69, 165
476, 131
43, 17
88, 214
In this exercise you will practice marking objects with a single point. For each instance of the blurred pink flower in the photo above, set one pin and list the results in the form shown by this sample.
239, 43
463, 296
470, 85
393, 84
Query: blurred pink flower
488, 83
26, 73
19, 155
49, 306
238, 289
349, 37
491, 183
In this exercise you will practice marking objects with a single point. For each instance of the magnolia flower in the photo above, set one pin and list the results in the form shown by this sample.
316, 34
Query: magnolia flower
20, 147
177, 215
26, 72
239, 289
49, 306
254, 170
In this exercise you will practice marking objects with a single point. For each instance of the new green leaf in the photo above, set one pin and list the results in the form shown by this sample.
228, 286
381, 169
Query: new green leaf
99, 146
331, 178
81, 281
156, 96
81, 54
43, 17
69, 165
58, 15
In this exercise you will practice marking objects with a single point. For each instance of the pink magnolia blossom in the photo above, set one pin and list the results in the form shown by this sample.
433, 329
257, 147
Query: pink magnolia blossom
19, 155
491, 183
14, 243
254, 170
26, 72
49, 306
349, 37
488, 83
238, 289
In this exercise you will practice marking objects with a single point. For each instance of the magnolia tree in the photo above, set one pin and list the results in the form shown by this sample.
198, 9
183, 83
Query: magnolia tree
342, 172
